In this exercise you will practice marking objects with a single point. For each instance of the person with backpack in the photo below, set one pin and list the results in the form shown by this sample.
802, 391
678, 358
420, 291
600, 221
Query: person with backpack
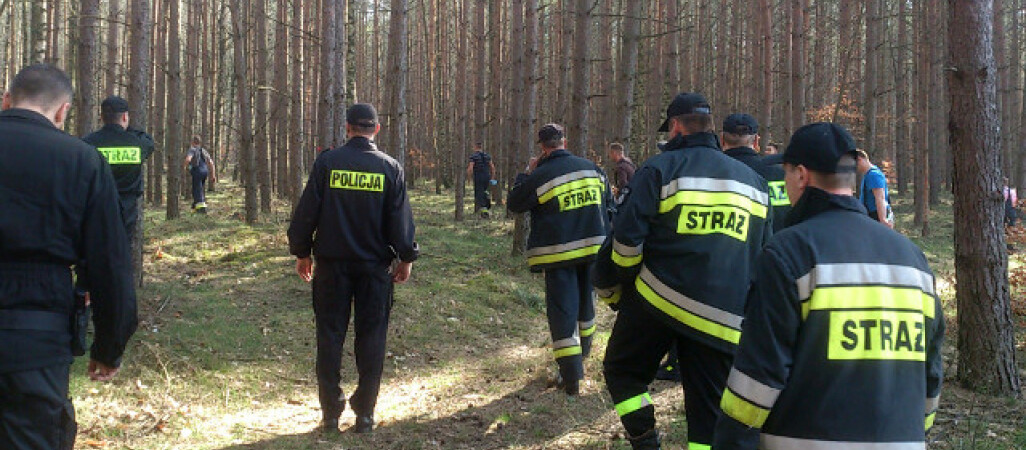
199, 163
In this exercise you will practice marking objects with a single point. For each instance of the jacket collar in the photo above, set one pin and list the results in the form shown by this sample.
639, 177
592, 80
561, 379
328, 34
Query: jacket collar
692, 140
361, 143
553, 155
114, 127
816, 201
741, 151
24, 114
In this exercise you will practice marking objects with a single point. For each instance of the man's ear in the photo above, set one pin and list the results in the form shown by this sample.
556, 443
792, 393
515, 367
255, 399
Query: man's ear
61, 115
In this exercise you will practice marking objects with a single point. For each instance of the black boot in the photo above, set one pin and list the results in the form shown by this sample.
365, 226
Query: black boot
364, 424
329, 426
647, 441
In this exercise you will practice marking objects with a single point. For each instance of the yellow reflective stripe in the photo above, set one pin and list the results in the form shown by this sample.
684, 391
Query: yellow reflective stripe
570, 186
876, 335
703, 198
121, 155
609, 296
778, 194
356, 181
626, 261
566, 351
686, 317
563, 256
697, 446
742, 410
929, 420
588, 331
869, 297
633, 404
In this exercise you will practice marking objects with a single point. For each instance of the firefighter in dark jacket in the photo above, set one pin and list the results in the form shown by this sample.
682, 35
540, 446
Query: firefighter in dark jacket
567, 197
842, 337
59, 207
740, 137
125, 149
355, 217
686, 238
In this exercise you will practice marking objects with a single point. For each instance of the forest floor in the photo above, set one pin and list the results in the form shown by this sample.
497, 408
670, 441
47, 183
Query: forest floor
224, 355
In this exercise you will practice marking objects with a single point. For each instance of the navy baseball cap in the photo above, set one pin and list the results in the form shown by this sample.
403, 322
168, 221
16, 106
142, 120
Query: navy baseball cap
551, 132
819, 147
740, 124
685, 103
362, 115
114, 105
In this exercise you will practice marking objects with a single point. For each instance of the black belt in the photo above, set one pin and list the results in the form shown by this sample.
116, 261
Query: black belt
34, 320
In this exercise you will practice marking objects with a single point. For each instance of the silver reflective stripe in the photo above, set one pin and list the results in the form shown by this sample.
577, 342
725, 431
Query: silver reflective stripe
713, 185
693, 306
585, 325
932, 404
863, 274
606, 293
568, 342
771, 442
626, 250
572, 176
804, 285
745, 386
560, 248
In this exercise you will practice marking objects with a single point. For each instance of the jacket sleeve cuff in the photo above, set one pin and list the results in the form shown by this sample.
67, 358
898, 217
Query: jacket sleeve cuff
411, 255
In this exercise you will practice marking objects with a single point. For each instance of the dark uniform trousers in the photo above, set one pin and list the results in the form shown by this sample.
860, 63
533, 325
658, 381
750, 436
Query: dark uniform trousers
570, 308
35, 411
129, 214
636, 346
365, 289
481, 199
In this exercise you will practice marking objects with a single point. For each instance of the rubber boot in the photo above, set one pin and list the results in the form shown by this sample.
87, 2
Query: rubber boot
647, 441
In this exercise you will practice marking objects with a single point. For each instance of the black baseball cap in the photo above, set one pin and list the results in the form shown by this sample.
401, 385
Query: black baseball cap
817, 146
551, 132
113, 105
740, 124
362, 115
685, 103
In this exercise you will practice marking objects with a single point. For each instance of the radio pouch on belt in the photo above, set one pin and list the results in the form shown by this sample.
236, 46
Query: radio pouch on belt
79, 325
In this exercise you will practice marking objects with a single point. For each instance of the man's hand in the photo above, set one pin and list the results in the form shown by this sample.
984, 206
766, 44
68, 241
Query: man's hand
304, 267
402, 272
532, 164
99, 371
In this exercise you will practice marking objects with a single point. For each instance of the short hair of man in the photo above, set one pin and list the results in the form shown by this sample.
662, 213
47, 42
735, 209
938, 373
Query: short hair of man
196, 140
695, 123
738, 140
862, 154
616, 147
41, 85
843, 179
553, 143
109, 116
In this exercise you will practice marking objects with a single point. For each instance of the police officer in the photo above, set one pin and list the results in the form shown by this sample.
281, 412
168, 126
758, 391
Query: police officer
481, 169
125, 149
685, 238
356, 203
567, 197
740, 138
842, 339
59, 204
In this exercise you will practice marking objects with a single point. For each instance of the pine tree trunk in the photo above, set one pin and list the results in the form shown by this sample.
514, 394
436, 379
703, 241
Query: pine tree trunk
901, 100
398, 43
86, 77
460, 149
922, 158
261, 145
110, 67
578, 129
325, 113
174, 128
873, 38
986, 332
138, 99
298, 144
628, 69
245, 136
